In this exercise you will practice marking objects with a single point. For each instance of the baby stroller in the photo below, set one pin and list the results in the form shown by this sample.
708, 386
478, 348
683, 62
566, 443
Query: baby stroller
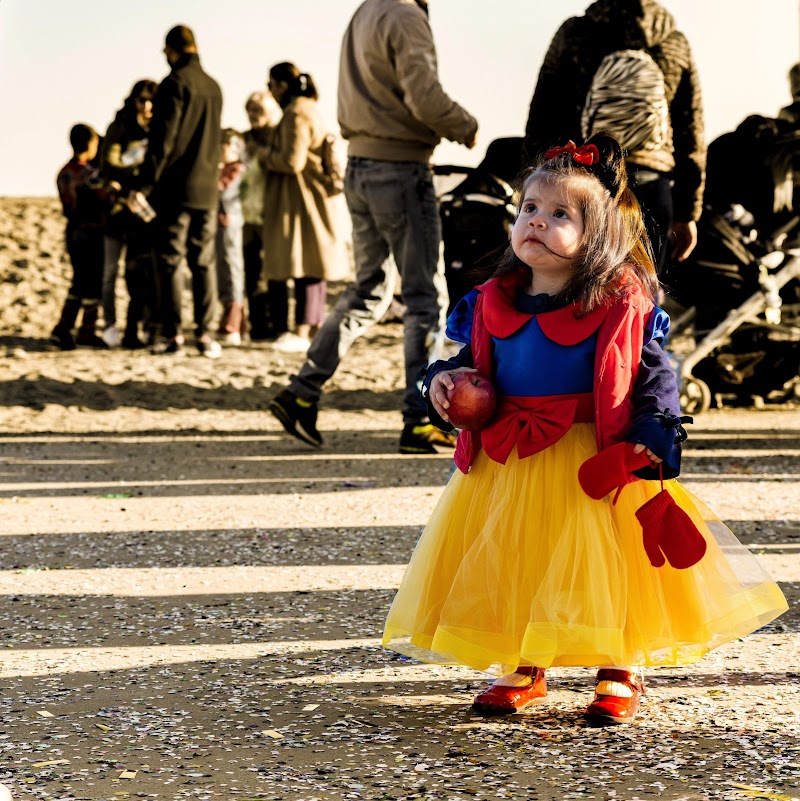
477, 214
742, 281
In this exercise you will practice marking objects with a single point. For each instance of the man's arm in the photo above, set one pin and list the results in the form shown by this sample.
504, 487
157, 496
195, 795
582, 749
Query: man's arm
417, 71
686, 115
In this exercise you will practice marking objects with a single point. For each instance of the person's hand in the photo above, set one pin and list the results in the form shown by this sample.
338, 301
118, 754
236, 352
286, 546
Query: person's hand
441, 385
684, 239
653, 458
224, 219
115, 186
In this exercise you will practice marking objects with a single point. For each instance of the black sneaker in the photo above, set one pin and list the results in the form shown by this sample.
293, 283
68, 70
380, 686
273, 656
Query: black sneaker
422, 438
88, 339
297, 416
167, 347
62, 339
132, 342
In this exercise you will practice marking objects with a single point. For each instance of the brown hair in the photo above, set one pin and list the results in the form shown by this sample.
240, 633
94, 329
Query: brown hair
300, 84
614, 243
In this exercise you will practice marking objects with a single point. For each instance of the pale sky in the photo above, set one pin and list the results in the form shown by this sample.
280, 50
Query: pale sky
67, 61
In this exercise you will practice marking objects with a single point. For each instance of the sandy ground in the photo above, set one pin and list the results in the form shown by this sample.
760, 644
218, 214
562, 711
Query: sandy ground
192, 603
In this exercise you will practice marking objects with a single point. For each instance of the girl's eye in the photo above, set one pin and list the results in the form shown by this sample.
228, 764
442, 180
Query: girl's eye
529, 209
560, 214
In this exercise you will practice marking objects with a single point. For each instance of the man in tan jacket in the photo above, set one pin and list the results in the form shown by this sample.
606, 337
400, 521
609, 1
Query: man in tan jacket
393, 112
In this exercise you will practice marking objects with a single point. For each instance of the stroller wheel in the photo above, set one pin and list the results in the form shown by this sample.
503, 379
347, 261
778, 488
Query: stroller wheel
695, 396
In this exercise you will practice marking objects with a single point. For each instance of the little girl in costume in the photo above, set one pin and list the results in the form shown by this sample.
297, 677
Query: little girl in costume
546, 548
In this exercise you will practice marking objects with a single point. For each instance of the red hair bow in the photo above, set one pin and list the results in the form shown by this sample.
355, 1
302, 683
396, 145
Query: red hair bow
587, 155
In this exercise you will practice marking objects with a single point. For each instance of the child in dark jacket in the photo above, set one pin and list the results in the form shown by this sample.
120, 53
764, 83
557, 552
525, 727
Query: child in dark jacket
84, 199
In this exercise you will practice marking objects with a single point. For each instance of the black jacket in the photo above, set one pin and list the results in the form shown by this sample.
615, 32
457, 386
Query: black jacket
182, 165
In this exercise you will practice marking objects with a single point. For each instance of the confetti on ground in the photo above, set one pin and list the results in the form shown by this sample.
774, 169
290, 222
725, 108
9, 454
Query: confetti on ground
213, 483
755, 792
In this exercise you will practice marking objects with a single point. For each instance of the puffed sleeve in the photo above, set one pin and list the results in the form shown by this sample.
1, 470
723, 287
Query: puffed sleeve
459, 329
656, 419
459, 323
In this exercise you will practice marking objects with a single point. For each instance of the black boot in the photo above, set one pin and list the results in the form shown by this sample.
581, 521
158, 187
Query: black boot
86, 333
130, 339
62, 333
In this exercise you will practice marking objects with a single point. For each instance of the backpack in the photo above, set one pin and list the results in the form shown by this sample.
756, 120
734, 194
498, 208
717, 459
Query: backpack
627, 98
332, 165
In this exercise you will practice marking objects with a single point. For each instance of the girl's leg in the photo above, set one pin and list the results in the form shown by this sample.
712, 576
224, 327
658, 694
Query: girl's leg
512, 692
618, 693
310, 295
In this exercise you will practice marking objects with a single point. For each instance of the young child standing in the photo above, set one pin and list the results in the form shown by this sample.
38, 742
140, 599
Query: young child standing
230, 253
546, 548
84, 200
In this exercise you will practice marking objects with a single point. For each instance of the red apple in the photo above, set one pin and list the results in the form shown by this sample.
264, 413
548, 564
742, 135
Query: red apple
472, 401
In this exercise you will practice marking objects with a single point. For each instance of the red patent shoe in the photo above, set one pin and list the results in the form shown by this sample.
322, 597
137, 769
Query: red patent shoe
610, 710
509, 694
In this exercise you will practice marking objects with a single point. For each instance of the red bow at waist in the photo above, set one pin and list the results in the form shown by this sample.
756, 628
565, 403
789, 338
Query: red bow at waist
532, 424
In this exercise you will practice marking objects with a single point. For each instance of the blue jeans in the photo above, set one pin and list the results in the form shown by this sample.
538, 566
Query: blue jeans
230, 263
395, 219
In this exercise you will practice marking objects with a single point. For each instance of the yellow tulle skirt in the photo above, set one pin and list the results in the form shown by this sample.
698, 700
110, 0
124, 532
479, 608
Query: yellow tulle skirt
517, 566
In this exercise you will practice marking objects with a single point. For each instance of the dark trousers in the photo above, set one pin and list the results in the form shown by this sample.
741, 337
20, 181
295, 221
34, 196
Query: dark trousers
653, 190
140, 280
187, 233
255, 287
278, 307
85, 249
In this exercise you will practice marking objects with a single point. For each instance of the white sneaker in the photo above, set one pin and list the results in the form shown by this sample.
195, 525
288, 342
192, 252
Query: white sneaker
289, 342
234, 339
211, 350
112, 337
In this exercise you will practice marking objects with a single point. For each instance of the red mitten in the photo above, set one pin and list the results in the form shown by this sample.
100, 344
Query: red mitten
611, 468
669, 531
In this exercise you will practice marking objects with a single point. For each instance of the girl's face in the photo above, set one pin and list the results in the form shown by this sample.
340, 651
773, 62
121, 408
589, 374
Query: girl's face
144, 109
231, 151
548, 231
256, 114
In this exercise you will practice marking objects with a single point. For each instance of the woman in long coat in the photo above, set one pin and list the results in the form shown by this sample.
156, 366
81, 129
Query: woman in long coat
301, 237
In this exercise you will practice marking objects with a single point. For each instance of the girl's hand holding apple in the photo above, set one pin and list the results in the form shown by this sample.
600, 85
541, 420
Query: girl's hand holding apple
441, 386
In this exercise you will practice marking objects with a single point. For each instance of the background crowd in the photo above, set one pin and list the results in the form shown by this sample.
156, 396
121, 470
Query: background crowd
253, 214
247, 212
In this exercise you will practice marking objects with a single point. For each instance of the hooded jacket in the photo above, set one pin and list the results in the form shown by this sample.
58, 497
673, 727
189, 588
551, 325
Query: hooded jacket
391, 104
572, 59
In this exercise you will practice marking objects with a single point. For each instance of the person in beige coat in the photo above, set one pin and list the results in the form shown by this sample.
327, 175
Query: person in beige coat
301, 237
